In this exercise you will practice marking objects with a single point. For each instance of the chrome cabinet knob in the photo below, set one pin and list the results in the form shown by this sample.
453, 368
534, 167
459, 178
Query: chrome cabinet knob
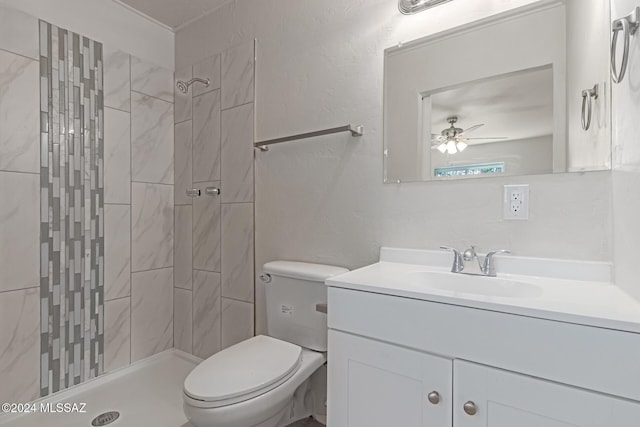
434, 397
470, 408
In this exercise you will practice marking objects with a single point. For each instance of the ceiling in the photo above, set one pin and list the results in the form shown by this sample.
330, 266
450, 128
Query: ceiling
173, 13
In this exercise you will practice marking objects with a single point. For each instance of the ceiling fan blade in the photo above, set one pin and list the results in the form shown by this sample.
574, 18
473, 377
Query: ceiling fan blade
471, 129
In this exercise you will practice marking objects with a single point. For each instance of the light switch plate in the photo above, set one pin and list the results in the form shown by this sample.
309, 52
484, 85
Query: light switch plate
516, 202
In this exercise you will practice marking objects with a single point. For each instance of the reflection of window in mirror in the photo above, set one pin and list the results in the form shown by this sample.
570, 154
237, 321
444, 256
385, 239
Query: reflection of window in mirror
485, 169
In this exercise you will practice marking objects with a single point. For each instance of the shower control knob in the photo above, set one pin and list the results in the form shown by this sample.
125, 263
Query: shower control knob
434, 397
193, 192
470, 408
212, 191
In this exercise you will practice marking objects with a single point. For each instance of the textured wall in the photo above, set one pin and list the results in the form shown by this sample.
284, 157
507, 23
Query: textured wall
320, 64
626, 158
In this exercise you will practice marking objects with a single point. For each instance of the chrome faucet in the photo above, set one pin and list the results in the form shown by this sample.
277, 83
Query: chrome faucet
458, 263
464, 262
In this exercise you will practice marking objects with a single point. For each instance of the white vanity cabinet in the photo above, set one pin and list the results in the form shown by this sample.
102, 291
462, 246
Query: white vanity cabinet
378, 384
389, 354
506, 399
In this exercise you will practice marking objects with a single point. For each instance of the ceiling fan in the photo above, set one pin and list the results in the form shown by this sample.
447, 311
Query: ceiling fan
453, 139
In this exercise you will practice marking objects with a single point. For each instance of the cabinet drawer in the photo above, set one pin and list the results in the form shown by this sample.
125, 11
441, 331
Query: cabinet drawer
593, 358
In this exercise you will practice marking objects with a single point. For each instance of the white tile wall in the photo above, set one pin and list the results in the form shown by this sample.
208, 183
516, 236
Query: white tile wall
222, 231
206, 313
19, 231
183, 162
237, 321
183, 247
19, 207
237, 154
182, 320
152, 226
151, 139
117, 156
152, 127
117, 333
206, 137
117, 249
151, 79
18, 32
206, 230
238, 75
117, 82
208, 68
20, 361
237, 251
152, 312
19, 110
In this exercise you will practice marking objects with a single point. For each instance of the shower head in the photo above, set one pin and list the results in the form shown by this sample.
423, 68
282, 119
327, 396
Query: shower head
184, 86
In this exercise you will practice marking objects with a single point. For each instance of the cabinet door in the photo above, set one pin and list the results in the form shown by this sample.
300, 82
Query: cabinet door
505, 399
374, 384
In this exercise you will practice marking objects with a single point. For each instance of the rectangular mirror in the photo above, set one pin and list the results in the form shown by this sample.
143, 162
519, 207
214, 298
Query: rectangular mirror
500, 97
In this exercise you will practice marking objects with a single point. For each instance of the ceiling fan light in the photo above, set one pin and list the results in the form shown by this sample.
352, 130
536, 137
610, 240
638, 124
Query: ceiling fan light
442, 148
451, 147
409, 7
461, 145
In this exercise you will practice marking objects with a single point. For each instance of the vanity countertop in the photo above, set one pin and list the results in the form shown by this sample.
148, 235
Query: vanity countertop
570, 291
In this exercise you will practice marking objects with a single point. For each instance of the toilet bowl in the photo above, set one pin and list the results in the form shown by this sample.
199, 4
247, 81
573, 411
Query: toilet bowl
265, 381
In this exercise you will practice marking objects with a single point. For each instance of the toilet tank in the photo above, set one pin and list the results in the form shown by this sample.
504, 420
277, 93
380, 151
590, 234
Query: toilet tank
293, 289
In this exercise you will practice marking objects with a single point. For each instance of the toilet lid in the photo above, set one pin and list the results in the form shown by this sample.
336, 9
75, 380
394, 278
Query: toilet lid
251, 367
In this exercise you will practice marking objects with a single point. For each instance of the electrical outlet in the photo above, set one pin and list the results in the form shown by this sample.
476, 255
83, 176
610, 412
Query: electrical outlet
516, 202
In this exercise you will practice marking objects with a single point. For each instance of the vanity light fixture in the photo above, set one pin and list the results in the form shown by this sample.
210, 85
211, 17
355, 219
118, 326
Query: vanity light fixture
409, 7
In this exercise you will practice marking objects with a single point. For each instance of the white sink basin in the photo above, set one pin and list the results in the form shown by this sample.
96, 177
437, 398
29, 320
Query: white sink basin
474, 285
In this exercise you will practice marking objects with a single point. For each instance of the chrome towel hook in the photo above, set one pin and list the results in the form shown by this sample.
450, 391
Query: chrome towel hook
587, 105
629, 26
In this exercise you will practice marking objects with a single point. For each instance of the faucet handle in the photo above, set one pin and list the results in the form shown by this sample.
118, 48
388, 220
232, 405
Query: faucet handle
456, 252
469, 254
489, 267
458, 264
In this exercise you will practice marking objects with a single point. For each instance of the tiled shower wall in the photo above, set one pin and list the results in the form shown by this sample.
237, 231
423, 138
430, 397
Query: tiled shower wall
214, 284
19, 208
138, 208
71, 209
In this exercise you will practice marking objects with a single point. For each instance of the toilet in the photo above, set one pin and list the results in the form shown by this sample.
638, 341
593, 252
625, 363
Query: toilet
266, 381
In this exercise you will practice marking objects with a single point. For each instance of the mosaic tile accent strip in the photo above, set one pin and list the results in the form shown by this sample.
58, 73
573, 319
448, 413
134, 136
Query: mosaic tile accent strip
72, 209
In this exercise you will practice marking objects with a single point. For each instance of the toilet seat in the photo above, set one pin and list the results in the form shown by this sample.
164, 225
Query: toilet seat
242, 371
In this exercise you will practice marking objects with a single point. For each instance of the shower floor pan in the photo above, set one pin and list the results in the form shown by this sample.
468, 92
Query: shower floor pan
147, 393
